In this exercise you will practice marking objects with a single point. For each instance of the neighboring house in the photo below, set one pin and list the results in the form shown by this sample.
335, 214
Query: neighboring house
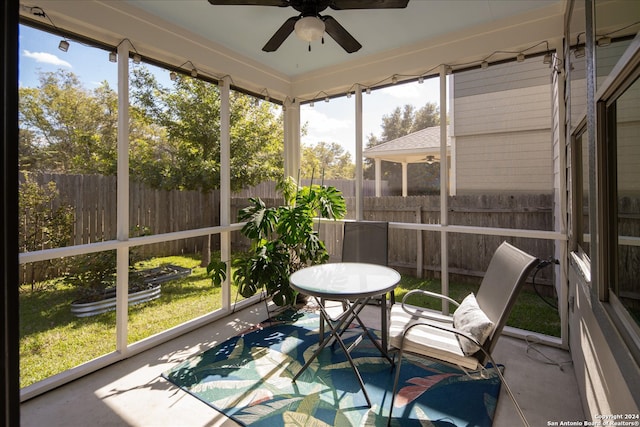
501, 128
499, 139
422, 146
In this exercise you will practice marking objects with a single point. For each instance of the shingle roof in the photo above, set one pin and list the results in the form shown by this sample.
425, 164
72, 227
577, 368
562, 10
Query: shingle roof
427, 139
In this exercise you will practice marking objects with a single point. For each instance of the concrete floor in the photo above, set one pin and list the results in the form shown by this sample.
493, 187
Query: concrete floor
132, 392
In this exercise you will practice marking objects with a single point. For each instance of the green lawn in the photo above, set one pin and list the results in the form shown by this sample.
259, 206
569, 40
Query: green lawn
530, 311
53, 340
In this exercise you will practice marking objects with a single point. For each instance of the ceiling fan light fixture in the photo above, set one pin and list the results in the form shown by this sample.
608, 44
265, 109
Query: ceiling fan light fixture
309, 28
431, 159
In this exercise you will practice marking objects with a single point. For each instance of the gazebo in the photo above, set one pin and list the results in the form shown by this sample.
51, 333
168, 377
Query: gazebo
422, 146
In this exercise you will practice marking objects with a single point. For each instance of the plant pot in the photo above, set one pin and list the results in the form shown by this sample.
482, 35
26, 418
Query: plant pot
86, 309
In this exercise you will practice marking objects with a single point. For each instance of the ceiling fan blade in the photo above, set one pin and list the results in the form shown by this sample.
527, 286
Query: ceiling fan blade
281, 35
368, 4
281, 3
340, 35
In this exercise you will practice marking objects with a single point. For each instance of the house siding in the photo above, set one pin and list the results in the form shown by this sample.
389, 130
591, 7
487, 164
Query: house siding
502, 129
502, 77
517, 162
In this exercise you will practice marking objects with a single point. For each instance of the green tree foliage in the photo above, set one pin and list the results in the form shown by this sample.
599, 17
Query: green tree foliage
66, 128
422, 178
328, 160
179, 147
174, 132
44, 223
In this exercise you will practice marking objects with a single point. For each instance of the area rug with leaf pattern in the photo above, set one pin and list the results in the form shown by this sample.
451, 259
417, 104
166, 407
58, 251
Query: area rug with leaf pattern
248, 378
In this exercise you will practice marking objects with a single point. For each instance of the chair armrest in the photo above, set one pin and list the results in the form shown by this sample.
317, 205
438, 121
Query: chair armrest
418, 312
429, 294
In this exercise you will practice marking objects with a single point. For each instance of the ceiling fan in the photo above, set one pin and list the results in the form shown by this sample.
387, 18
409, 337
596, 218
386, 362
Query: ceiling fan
310, 25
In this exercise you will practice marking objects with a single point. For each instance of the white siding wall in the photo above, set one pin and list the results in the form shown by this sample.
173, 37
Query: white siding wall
503, 130
505, 111
505, 162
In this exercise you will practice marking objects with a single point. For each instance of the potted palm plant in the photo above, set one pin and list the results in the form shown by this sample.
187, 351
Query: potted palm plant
283, 240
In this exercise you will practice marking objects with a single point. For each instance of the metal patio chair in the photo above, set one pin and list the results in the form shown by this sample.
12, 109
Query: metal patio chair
466, 339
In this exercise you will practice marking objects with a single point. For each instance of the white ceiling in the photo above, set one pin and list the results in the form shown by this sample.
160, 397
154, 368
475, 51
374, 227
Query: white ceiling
245, 29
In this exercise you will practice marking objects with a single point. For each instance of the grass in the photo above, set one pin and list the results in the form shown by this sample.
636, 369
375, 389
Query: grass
52, 340
529, 313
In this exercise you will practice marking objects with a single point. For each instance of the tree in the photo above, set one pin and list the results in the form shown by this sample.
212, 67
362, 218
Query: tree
185, 151
66, 128
328, 160
174, 132
400, 122
180, 145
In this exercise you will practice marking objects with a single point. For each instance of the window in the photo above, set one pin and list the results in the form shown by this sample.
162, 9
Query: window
623, 128
618, 176
580, 163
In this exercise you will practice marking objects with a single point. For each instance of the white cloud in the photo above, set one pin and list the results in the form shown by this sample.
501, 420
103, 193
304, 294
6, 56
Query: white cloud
322, 127
46, 58
429, 91
321, 122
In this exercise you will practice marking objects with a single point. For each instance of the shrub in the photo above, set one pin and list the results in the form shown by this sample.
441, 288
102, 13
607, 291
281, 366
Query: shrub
43, 225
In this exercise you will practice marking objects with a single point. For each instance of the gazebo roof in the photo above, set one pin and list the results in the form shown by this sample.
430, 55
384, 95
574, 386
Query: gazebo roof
411, 148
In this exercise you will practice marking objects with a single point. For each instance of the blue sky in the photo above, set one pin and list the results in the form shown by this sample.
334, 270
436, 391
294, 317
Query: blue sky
39, 52
329, 122
334, 121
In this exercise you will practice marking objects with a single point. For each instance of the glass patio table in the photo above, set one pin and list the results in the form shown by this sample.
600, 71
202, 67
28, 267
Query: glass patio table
353, 284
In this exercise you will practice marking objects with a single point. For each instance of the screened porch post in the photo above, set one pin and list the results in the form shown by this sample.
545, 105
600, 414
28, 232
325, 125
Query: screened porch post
444, 193
291, 112
225, 185
122, 201
359, 192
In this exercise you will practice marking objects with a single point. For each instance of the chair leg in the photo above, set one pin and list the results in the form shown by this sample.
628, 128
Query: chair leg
395, 385
507, 388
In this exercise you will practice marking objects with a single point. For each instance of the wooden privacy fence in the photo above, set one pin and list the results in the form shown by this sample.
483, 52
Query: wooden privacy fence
93, 199
267, 190
469, 254
151, 211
